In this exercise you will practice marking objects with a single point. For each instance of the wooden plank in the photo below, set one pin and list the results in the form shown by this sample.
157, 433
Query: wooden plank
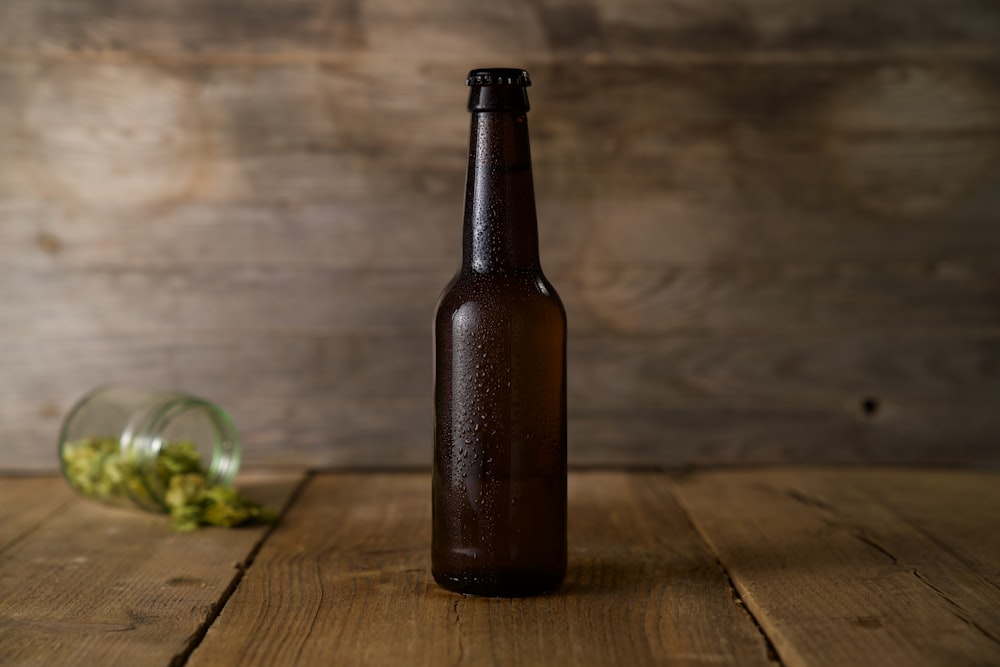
603, 28
218, 367
96, 585
213, 29
968, 585
836, 579
798, 299
953, 516
323, 235
606, 371
19, 518
180, 26
720, 435
826, 27
316, 431
843, 297
274, 134
257, 172
291, 235
250, 300
642, 587
319, 432
823, 169
825, 156
795, 371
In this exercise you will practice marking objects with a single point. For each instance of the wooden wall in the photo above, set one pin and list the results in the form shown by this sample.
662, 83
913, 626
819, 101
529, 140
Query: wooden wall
775, 224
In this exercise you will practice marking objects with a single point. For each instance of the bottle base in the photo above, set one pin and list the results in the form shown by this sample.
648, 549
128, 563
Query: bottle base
500, 584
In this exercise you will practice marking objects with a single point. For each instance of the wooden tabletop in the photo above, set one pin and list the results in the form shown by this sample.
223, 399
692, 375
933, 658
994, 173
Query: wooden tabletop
751, 567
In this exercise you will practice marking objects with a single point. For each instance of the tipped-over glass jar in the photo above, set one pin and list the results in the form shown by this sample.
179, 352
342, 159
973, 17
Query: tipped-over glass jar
133, 446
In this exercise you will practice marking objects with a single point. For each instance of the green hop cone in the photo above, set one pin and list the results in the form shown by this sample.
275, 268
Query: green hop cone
97, 468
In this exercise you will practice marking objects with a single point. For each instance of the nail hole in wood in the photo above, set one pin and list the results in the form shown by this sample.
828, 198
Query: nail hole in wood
869, 406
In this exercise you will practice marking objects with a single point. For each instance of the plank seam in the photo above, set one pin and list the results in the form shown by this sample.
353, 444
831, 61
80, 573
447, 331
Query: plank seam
195, 640
957, 609
458, 630
957, 554
772, 652
838, 519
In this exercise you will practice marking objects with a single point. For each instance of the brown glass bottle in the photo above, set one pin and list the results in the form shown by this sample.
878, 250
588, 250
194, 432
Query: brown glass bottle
499, 474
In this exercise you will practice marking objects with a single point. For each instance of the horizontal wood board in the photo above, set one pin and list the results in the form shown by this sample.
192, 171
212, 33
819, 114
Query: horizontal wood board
358, 589
775, 231
97, 585
788, 567
859, 568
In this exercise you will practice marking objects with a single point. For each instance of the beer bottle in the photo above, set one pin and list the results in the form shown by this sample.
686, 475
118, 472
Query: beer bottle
499, 472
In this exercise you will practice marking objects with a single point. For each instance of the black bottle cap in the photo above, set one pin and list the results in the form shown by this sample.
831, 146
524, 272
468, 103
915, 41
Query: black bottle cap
498, 89
495, 76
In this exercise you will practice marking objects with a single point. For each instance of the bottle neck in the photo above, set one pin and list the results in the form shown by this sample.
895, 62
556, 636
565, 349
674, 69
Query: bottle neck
500, 232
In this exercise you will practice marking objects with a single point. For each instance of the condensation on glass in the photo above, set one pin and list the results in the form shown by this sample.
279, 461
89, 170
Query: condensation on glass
499, 467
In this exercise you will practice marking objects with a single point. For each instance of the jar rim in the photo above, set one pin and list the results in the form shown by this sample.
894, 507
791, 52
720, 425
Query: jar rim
225, 445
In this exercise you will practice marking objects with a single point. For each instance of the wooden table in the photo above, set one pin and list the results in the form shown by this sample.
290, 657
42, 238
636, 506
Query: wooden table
741, 567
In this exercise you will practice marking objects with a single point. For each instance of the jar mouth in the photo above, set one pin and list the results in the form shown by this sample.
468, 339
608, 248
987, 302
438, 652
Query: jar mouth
218, 447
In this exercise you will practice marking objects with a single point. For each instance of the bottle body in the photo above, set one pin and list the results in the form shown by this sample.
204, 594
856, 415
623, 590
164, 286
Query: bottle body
124, 445
499, 470
499, 476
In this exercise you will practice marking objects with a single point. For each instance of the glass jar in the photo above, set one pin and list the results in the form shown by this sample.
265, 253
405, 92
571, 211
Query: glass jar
125, 445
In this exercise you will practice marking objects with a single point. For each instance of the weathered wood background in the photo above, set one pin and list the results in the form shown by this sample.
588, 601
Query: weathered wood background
775, 224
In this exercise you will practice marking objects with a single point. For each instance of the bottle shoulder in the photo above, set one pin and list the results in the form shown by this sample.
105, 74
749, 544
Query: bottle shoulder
514, 284
521, 290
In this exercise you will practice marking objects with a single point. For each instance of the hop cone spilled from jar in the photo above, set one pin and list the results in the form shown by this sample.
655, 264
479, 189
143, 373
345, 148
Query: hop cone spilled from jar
97, 468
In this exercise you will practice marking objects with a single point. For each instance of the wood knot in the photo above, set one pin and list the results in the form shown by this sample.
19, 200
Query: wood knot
869, 406
49, 243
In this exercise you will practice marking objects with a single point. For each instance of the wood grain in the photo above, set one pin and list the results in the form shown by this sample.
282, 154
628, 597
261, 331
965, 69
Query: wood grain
673, 401
796, 566
422, 232
835, 577
93, 585
612, 29
952, 516
642, 588
811, 299
760, 219
18, 518
606, 370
